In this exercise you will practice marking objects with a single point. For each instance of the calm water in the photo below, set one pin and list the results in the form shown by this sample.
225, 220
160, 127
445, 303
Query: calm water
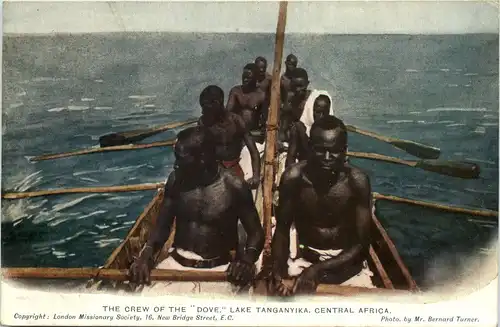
438, 90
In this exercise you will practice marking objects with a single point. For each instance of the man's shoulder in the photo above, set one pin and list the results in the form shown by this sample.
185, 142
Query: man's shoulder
235, 89
293, 173
231, 180
358, 178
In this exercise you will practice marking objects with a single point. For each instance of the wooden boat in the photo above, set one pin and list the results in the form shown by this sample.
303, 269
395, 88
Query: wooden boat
389, 270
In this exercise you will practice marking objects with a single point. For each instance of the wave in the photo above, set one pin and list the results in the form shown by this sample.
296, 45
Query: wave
105, 243
125, 198
457, 109
479, 191
491, 116
87, 99
149, 106
44, 79
415, 112
57, 109
121, 215
471, 74
66, 205
78, 108
89, 179
444, 69
489, 124
141, 97
94, 213
125, 168
46, 244
399, 121
103, 108
16, 105
454, 125
452, 85
480, 130
445, 122
84, 172
98, 81
411, 71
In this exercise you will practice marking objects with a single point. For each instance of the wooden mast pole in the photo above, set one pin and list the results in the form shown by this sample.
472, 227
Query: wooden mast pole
271, 134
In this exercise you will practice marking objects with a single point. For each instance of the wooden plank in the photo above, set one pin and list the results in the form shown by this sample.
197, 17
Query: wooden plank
170, 275
380, 269
392, 248
134, 228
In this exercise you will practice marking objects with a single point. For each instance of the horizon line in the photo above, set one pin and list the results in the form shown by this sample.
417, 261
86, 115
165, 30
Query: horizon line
243, 32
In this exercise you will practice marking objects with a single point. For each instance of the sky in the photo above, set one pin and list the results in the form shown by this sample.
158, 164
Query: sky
339, 17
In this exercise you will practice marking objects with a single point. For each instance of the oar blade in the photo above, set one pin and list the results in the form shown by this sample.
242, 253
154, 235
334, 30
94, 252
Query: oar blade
451, 168
124, 138
416, 149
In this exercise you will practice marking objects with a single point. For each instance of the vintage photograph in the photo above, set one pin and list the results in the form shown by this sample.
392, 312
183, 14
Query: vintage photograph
249, 150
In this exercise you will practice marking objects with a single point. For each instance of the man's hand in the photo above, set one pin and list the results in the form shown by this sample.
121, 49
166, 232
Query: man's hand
307, 282
253, 182
140, 271
277, 287
240, 272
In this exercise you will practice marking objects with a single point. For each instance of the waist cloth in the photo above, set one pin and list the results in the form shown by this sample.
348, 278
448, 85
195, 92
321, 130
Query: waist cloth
356, 274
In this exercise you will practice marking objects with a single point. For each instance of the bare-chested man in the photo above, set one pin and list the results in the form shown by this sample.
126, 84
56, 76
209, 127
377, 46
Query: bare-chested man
249, 101
206, 201
290, 64
264, 79
299, 92
229, 132
329, 203
298, 139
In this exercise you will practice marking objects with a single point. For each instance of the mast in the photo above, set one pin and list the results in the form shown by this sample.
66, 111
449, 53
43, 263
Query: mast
271, 135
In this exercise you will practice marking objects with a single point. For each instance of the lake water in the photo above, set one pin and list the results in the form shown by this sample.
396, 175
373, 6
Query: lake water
437, 90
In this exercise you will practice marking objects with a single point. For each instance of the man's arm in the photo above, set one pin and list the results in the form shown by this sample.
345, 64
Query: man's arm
302, 139
280, 246
160, 234
361, 184
232, 100
264, 111
249, 217
252, 147
292, 146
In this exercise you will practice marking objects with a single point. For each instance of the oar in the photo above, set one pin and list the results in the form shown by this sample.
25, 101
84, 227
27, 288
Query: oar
169, 275
418, 150
472, 212
155, 186
102, 189
107, 149
450, 168
123, 138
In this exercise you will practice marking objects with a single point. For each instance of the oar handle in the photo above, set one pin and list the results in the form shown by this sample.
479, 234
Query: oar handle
170, 275
473, 212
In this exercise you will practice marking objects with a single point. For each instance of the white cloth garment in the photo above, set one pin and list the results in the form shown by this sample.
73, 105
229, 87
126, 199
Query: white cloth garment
362, 279
307, 115
185, 288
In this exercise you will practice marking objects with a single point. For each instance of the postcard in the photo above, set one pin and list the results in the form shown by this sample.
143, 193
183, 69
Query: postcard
222, 163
